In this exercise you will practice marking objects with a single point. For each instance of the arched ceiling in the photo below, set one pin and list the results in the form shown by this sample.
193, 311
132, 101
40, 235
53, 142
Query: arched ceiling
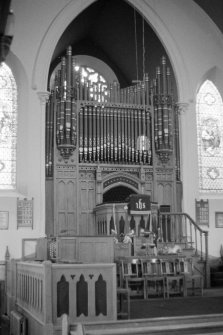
214, 9
106, 30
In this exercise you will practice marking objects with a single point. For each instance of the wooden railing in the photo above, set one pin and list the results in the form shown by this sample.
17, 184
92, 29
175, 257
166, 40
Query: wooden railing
181, 228
30, 288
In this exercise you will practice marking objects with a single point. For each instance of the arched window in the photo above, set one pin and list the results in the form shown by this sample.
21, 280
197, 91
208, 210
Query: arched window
99, 86
8, 128
97, 74
209, 111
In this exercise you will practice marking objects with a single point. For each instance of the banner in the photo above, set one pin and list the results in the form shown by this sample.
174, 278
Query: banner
139, 204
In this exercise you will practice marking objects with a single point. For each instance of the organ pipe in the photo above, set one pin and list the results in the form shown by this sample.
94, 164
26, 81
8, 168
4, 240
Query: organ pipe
94, 119
163, 113
97, 132
108, 125
114, 127
81, 135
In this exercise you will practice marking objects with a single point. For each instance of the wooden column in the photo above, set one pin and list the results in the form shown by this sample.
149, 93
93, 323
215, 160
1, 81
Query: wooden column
43, 97
47, 296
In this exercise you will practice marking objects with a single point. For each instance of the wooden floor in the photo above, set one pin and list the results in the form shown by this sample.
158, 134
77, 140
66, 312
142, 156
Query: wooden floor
210, 304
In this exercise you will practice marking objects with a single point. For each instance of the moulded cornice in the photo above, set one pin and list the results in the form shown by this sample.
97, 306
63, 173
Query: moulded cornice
182, 107
43, 96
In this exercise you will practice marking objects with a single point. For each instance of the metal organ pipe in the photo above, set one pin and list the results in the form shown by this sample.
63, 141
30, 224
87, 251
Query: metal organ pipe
165, 107
114, 127
81, 135
94, 135
68, 96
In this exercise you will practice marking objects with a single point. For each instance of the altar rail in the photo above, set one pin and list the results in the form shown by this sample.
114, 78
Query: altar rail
43, 292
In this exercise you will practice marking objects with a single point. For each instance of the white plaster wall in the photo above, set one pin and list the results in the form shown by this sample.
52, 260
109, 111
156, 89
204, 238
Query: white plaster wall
193, 43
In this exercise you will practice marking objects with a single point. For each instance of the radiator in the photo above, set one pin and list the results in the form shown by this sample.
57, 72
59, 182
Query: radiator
17, 323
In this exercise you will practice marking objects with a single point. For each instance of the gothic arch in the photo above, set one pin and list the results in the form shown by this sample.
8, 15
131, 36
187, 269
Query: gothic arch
121, 179
65, 17
215, 74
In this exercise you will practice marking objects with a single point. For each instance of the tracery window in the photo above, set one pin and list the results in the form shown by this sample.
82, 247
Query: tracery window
209, 111
8, 128
99, 87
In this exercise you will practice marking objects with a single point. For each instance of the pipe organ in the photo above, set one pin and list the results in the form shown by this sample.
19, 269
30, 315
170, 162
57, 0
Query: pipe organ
115, 125
113, 133
99, 124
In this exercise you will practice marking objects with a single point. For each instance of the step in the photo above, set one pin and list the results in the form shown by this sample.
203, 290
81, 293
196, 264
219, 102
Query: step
217, 275
217, 282
218, 268
198, 324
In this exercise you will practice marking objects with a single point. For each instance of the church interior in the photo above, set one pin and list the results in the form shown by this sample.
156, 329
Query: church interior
111, 163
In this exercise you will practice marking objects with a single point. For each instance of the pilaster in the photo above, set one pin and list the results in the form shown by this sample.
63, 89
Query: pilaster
43, 97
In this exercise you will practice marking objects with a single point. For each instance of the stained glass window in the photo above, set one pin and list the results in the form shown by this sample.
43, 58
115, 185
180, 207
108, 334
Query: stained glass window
8, 128
209, 111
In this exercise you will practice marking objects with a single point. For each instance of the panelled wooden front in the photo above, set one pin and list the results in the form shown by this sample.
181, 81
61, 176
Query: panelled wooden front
89, 290
87, 202
66, 201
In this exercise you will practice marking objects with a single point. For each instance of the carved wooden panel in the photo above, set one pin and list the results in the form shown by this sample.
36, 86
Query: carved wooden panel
61, 222
87, 202
91, 292
160, 194
165, 194
97, 250
66, 207
67, 249
168, 194
61, 193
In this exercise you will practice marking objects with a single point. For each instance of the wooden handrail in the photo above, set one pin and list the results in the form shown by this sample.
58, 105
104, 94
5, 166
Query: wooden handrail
176, 235
188, 216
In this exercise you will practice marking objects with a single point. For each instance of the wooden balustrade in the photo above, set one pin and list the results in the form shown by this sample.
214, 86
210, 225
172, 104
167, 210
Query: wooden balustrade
30, 288
181, 228
44, 291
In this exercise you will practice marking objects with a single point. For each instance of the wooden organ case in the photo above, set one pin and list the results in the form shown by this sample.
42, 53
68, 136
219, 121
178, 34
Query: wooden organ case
99, 139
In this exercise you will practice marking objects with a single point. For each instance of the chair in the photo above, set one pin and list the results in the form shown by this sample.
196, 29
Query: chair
123, 295
132, 277
174, 282
193, 282
154, 280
